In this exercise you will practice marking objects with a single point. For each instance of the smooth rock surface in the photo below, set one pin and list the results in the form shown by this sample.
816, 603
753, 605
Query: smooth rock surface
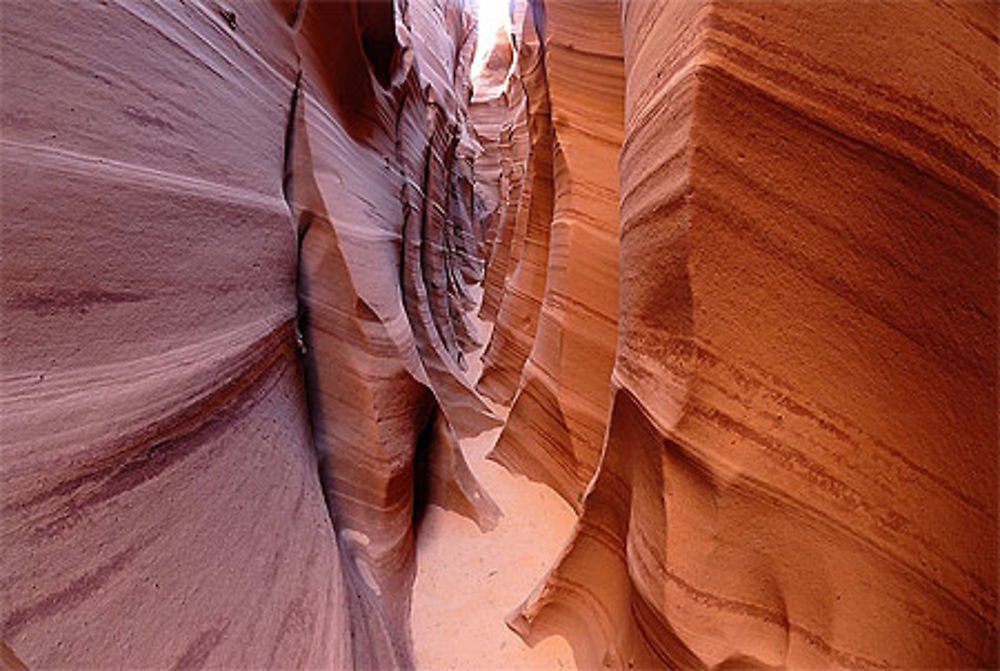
740, 263
527, 256
556, 424
800, 465
159, 484
198, 194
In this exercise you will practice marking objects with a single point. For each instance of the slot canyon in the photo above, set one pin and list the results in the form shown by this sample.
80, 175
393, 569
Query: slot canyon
354, 334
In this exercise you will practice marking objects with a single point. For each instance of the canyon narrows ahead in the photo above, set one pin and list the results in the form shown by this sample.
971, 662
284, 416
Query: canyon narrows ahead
718, 276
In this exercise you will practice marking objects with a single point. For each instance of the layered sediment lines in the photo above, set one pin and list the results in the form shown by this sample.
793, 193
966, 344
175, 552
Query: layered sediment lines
527, 252
498, 117
159, 482
384, 250
500, 123
740, 260
233, 327
556, 425
800, 461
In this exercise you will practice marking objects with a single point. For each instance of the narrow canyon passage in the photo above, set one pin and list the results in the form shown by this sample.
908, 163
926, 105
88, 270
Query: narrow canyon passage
662, 336
469, 581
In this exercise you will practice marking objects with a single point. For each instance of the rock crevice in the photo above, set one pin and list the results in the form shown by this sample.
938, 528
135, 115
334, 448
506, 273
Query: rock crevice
733, 265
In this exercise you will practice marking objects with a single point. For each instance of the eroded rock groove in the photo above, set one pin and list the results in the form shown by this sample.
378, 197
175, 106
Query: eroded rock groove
712, 284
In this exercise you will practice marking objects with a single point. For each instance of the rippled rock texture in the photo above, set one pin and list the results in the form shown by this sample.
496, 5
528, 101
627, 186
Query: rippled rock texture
556, 425
799, 465
740, 259
238, 239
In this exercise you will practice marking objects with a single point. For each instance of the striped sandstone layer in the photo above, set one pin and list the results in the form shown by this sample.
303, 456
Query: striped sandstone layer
233, 327
740, 257
799, 468
524, 277
556, 424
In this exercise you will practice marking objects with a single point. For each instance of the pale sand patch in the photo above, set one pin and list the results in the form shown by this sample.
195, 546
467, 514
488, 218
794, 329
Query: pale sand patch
468, 581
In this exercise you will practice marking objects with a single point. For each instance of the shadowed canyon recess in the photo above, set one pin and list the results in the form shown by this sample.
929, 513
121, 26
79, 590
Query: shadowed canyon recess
662, 335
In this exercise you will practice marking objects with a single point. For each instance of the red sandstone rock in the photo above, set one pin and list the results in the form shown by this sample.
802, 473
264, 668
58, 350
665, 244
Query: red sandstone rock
160, 482
520, 303
500, 123
800, 465
556, 425
240, 249
378, 295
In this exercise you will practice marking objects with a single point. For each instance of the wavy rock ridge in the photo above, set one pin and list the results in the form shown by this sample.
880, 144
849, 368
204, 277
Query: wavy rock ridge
740, 260
244, 238
799, 467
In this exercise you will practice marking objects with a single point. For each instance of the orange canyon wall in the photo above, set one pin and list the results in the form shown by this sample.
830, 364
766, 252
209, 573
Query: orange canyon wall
237, 242
799, 465
740, 259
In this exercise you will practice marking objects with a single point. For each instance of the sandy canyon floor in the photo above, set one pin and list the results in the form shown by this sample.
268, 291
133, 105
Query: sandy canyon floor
468, 581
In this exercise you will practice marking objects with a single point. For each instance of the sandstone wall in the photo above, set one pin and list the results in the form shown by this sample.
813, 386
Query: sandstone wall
526, 259
740, 258
800, 462
556, 425
235, 313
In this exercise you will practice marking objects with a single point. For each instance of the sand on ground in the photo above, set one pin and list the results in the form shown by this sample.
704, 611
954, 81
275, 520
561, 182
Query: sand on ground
468, 581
